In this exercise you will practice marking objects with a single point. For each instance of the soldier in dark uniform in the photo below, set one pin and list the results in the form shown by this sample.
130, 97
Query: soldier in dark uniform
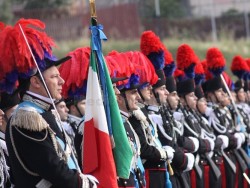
38, 147
169, 130
217, 119
137, 173
8, 103
142, 122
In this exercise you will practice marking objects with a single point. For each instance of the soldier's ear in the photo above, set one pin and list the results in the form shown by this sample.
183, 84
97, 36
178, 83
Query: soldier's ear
35, 82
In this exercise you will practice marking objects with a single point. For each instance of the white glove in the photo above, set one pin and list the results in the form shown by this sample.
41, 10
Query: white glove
211, 142
93, 180
225, 141
170, 152
239, 139
190, 162
243, 137
162, 153
195, 142
208, 111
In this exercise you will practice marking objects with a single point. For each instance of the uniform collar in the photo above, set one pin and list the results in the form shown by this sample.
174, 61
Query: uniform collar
153, 108
41, 101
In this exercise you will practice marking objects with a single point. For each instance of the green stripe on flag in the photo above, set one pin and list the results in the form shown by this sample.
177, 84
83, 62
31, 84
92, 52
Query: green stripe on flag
122, 152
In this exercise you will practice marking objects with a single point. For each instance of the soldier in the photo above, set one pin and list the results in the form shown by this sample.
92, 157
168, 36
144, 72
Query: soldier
74, 92
8, 103
127, 102
38, 147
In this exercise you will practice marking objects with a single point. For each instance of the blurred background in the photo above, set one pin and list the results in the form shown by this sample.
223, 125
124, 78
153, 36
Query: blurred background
200, 23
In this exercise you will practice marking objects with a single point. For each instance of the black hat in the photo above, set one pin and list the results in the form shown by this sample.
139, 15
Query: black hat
199, 92
161, 79
170, 84
238, 85
212, 84
186, 86
9, 100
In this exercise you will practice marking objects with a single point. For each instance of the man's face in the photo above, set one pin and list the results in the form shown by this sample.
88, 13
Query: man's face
62, 110
241, 95
54, 83
81, 106
146, 92
173, 100
219, 95
163, 94
132, 98
191, 100
117, 92
202, 105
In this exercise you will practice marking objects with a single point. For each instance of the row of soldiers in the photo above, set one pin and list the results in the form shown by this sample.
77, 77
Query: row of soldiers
187, 126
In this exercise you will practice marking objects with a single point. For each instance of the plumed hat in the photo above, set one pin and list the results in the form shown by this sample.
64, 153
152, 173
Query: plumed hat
215, 61
186, 61
16, 62
152, 47
75, 74
239, 67
121, 66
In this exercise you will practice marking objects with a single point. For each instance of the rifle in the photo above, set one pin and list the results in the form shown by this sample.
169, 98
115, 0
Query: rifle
211, 163
188, 122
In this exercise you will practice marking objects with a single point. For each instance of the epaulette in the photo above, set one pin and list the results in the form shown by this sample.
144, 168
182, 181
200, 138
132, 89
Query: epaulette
28, 118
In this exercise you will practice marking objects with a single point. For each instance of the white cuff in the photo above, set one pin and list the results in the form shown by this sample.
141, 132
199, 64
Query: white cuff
190, 163
225, 141
195, 142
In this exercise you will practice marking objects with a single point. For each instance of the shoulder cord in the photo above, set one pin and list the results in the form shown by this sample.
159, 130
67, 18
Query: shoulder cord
16, 153
54, 141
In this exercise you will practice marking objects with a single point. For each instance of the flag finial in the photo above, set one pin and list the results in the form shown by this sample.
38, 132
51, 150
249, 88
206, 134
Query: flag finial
92, 8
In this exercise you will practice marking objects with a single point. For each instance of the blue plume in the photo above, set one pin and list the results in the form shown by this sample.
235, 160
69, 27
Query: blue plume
157, 59
190, 71
169, 69
199, 78
217, 71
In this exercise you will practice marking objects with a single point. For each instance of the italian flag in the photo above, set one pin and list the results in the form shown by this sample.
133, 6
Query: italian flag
97, 151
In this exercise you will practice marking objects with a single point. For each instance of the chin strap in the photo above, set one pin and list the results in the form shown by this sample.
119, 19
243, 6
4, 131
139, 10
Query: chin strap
125, 100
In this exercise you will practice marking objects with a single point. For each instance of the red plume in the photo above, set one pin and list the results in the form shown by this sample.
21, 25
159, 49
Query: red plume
248, 62
215, 61
239, 64
179, 73
77, 65
14, 54
150, 43
143, 68
2, 25
168, 56
199, 69
185, 57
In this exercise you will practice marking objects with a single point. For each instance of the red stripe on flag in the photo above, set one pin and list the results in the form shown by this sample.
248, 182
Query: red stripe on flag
90, 162
97, 146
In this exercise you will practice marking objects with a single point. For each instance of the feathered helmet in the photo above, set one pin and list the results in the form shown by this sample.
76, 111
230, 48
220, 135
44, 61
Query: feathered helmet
215, 61
186, 61
152, 47
74, 88
144, 68
215, 65
16, 62
199, 79
239, 67
120, 66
